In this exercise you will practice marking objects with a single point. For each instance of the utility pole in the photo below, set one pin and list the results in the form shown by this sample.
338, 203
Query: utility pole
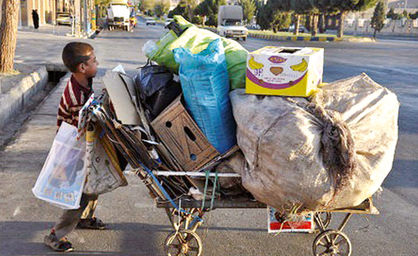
77, 17
85, 18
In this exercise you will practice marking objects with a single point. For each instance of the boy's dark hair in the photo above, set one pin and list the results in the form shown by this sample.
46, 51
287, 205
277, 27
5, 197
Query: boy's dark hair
75, 53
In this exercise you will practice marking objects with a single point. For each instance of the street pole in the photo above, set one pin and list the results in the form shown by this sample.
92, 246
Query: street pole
85, 23
77, 9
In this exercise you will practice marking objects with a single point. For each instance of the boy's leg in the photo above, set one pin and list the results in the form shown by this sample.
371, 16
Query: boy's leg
88, 220
70, 218
66, 223
88, 213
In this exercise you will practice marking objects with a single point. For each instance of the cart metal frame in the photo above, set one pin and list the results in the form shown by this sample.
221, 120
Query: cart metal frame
186, 216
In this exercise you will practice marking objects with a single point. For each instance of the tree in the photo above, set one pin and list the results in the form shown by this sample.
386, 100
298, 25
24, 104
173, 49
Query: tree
161, 7
179, 10
299, 8
209, 9
249, 8
405, 14
281, 20
146, 6
263, 15
378, 19
344, 6
390, 13
414, 16
101, 7
8, 30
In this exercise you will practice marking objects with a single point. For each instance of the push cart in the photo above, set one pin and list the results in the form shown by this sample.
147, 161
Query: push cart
186, 212
186, 216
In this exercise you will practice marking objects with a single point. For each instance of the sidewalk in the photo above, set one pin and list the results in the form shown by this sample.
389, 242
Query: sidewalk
58, 30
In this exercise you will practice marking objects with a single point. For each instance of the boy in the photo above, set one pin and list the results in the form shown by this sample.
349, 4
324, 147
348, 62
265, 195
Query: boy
79, 58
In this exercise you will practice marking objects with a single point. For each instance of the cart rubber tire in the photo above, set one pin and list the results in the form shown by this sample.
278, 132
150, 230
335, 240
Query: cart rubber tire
184, 243
331, 242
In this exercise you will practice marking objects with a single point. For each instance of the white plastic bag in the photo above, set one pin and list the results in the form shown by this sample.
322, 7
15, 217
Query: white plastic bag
63, 174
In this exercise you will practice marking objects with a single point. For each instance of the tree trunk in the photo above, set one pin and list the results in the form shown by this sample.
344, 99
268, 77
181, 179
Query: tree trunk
374, 34
8, 30
308, 22
322, 23
297, 23
314, 30
341, 25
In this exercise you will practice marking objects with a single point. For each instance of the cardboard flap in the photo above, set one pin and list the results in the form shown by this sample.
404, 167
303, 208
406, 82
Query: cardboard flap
121, 99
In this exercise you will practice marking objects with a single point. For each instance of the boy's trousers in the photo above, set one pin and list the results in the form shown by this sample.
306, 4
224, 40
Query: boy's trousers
70, 218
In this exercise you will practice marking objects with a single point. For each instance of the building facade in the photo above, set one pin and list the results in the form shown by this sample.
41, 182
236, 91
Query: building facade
46, 11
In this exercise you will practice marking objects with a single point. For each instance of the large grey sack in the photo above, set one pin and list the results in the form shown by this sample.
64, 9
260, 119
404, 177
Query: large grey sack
332, 151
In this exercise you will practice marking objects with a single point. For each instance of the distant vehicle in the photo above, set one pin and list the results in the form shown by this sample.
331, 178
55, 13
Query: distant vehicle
168, 21
230, 19
254, 27
150, 21
64, 19
118, 15
302, 29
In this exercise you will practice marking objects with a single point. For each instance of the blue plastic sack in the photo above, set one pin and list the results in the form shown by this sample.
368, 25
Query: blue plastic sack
205, 84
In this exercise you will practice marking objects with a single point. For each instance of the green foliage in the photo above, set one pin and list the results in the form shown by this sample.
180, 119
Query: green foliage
414, 16
161, 7
146, 5
179, 10
393, 15
263, 15
209, 9
197, 20
273, 15
249, 9
405, 14
378, 19
102, 2
281, 20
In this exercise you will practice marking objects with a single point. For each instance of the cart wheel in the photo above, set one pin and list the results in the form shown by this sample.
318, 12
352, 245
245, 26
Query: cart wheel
183, 243
325, 218
332, 243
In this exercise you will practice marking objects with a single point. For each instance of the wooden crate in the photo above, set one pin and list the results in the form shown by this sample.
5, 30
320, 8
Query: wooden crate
181, 135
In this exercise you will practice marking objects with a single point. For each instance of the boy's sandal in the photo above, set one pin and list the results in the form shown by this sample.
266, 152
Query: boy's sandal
93, 223
62, 245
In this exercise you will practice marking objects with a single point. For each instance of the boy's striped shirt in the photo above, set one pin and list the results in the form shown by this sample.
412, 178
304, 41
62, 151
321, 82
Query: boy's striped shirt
72, 100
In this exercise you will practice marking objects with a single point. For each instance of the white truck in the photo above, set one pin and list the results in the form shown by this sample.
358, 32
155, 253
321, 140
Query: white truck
230, 22
118, 15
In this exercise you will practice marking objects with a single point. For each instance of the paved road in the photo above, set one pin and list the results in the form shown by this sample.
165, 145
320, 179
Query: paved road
138, 228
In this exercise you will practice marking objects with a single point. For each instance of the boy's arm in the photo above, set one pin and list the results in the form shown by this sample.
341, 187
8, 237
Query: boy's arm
68, 114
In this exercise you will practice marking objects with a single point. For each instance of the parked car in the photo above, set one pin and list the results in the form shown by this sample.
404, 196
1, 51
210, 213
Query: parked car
253, 27
302, 29
150, 21
64, 19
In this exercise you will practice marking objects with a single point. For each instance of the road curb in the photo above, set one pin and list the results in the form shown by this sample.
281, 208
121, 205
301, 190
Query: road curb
20, 95
309, 38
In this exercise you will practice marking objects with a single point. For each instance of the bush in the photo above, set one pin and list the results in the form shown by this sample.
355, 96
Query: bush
197, 20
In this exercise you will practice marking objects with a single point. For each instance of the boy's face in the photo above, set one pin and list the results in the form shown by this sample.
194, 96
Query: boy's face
89, 68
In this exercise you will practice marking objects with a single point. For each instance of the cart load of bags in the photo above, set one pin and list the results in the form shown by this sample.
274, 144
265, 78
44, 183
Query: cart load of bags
203, 103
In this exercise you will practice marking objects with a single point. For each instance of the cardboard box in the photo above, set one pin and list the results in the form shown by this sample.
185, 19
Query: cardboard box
305, 225
286, 71
181, 135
